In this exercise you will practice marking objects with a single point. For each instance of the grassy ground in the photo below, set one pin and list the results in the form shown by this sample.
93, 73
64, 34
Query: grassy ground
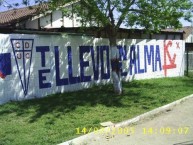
190, 73
54, 119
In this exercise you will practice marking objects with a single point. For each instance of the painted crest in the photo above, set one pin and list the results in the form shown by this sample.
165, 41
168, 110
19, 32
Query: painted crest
22, 49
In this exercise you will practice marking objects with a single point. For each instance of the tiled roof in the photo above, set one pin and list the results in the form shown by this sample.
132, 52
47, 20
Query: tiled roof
15, 15
188, 30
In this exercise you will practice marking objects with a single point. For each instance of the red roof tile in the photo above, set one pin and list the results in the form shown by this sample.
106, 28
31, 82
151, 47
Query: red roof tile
14, 15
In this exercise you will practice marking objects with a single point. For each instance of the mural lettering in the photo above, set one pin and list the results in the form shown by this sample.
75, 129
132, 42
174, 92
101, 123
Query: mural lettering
63, 62
105, 70
123, 58
151, 57
167, 54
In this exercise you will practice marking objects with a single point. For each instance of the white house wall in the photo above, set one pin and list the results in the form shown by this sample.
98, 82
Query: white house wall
53, 20
33, 66
189, 39
45, 22
57, 20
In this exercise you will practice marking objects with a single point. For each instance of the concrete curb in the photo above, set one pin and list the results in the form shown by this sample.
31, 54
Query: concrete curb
130, 121
153, 112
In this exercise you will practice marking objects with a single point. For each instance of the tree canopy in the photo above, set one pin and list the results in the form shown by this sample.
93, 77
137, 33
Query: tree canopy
148, 14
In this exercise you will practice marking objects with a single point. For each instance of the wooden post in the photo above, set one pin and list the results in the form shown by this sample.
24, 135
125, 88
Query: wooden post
187, 62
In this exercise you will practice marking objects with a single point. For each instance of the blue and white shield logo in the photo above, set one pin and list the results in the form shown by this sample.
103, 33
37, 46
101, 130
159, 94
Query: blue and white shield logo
22, 49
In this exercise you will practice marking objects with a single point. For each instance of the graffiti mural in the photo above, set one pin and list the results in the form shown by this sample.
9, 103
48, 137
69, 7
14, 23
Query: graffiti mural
5, 65
69, 63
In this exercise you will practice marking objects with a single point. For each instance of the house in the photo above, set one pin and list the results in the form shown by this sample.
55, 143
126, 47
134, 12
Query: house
36, 17
40, 18
188, 37
188, 34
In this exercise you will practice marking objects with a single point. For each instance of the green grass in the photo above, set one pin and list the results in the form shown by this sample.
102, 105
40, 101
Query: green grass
190, 73
54, 119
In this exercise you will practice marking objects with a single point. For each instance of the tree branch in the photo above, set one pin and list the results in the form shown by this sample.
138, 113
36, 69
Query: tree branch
92, 7
111, 16
124, 12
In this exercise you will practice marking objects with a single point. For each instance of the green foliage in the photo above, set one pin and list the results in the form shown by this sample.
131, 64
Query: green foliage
148, 14
153, 15
56, 118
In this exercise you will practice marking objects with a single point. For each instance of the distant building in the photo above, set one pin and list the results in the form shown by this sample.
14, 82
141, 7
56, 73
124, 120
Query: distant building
188, 37
188, 34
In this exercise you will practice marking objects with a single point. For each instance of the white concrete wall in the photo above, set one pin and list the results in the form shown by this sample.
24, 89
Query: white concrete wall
42, 65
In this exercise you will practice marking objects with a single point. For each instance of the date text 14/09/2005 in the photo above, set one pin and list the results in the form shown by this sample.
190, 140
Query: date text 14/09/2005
131, 130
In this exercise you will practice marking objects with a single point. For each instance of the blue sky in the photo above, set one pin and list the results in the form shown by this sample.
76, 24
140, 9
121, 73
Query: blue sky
3, 8
185, 23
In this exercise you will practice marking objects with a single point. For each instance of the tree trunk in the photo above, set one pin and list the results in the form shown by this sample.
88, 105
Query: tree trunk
116, 73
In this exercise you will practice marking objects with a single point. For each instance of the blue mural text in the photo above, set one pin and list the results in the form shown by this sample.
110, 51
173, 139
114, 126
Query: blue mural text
94, 63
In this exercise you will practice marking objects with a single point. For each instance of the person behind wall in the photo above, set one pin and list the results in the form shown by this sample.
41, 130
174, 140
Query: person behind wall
116, 72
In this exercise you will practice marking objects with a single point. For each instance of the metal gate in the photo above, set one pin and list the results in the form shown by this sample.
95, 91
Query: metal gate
188, 59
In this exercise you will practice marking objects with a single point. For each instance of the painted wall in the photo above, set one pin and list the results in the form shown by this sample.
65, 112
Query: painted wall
34, 66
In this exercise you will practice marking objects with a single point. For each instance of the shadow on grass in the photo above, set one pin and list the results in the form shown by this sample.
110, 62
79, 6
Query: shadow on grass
136, 93
60, 104
67, 102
